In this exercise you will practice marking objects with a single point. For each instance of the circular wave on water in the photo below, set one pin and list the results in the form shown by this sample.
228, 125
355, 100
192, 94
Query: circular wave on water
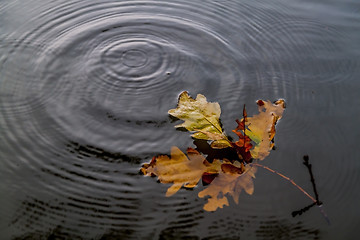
121, 65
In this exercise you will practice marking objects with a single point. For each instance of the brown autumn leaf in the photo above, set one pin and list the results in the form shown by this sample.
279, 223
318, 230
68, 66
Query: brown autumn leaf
179, 169
260, 128
232, 179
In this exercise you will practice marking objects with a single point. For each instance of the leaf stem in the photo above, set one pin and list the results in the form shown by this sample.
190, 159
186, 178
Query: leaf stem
285, 177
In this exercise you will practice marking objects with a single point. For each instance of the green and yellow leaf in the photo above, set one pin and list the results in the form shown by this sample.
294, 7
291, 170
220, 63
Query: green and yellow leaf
202, 118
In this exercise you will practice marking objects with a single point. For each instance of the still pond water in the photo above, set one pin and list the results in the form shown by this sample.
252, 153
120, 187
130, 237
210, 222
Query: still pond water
85, 87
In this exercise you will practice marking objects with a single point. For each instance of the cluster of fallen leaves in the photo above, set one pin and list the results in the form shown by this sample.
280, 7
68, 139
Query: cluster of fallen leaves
224, 177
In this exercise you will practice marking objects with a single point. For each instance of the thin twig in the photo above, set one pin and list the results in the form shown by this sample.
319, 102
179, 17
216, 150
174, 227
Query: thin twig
285, 177
308, 166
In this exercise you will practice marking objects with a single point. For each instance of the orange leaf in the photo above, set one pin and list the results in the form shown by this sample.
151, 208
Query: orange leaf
243, 145
260, 128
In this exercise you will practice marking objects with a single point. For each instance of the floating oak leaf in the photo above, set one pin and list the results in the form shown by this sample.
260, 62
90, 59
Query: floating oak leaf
231, 180
224, 178
261, 127
202, 118
179, 170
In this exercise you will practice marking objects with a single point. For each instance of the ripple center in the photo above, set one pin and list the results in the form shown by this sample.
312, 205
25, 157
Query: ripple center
134, 58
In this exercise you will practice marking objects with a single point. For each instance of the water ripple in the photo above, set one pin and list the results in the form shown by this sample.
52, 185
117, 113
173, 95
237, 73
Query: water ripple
306, 39
114, 59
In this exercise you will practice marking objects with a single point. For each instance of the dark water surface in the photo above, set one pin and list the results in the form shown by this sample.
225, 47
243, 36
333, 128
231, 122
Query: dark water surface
85, 87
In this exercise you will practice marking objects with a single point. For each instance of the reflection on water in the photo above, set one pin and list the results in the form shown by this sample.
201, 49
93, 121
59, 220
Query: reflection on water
85, 87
